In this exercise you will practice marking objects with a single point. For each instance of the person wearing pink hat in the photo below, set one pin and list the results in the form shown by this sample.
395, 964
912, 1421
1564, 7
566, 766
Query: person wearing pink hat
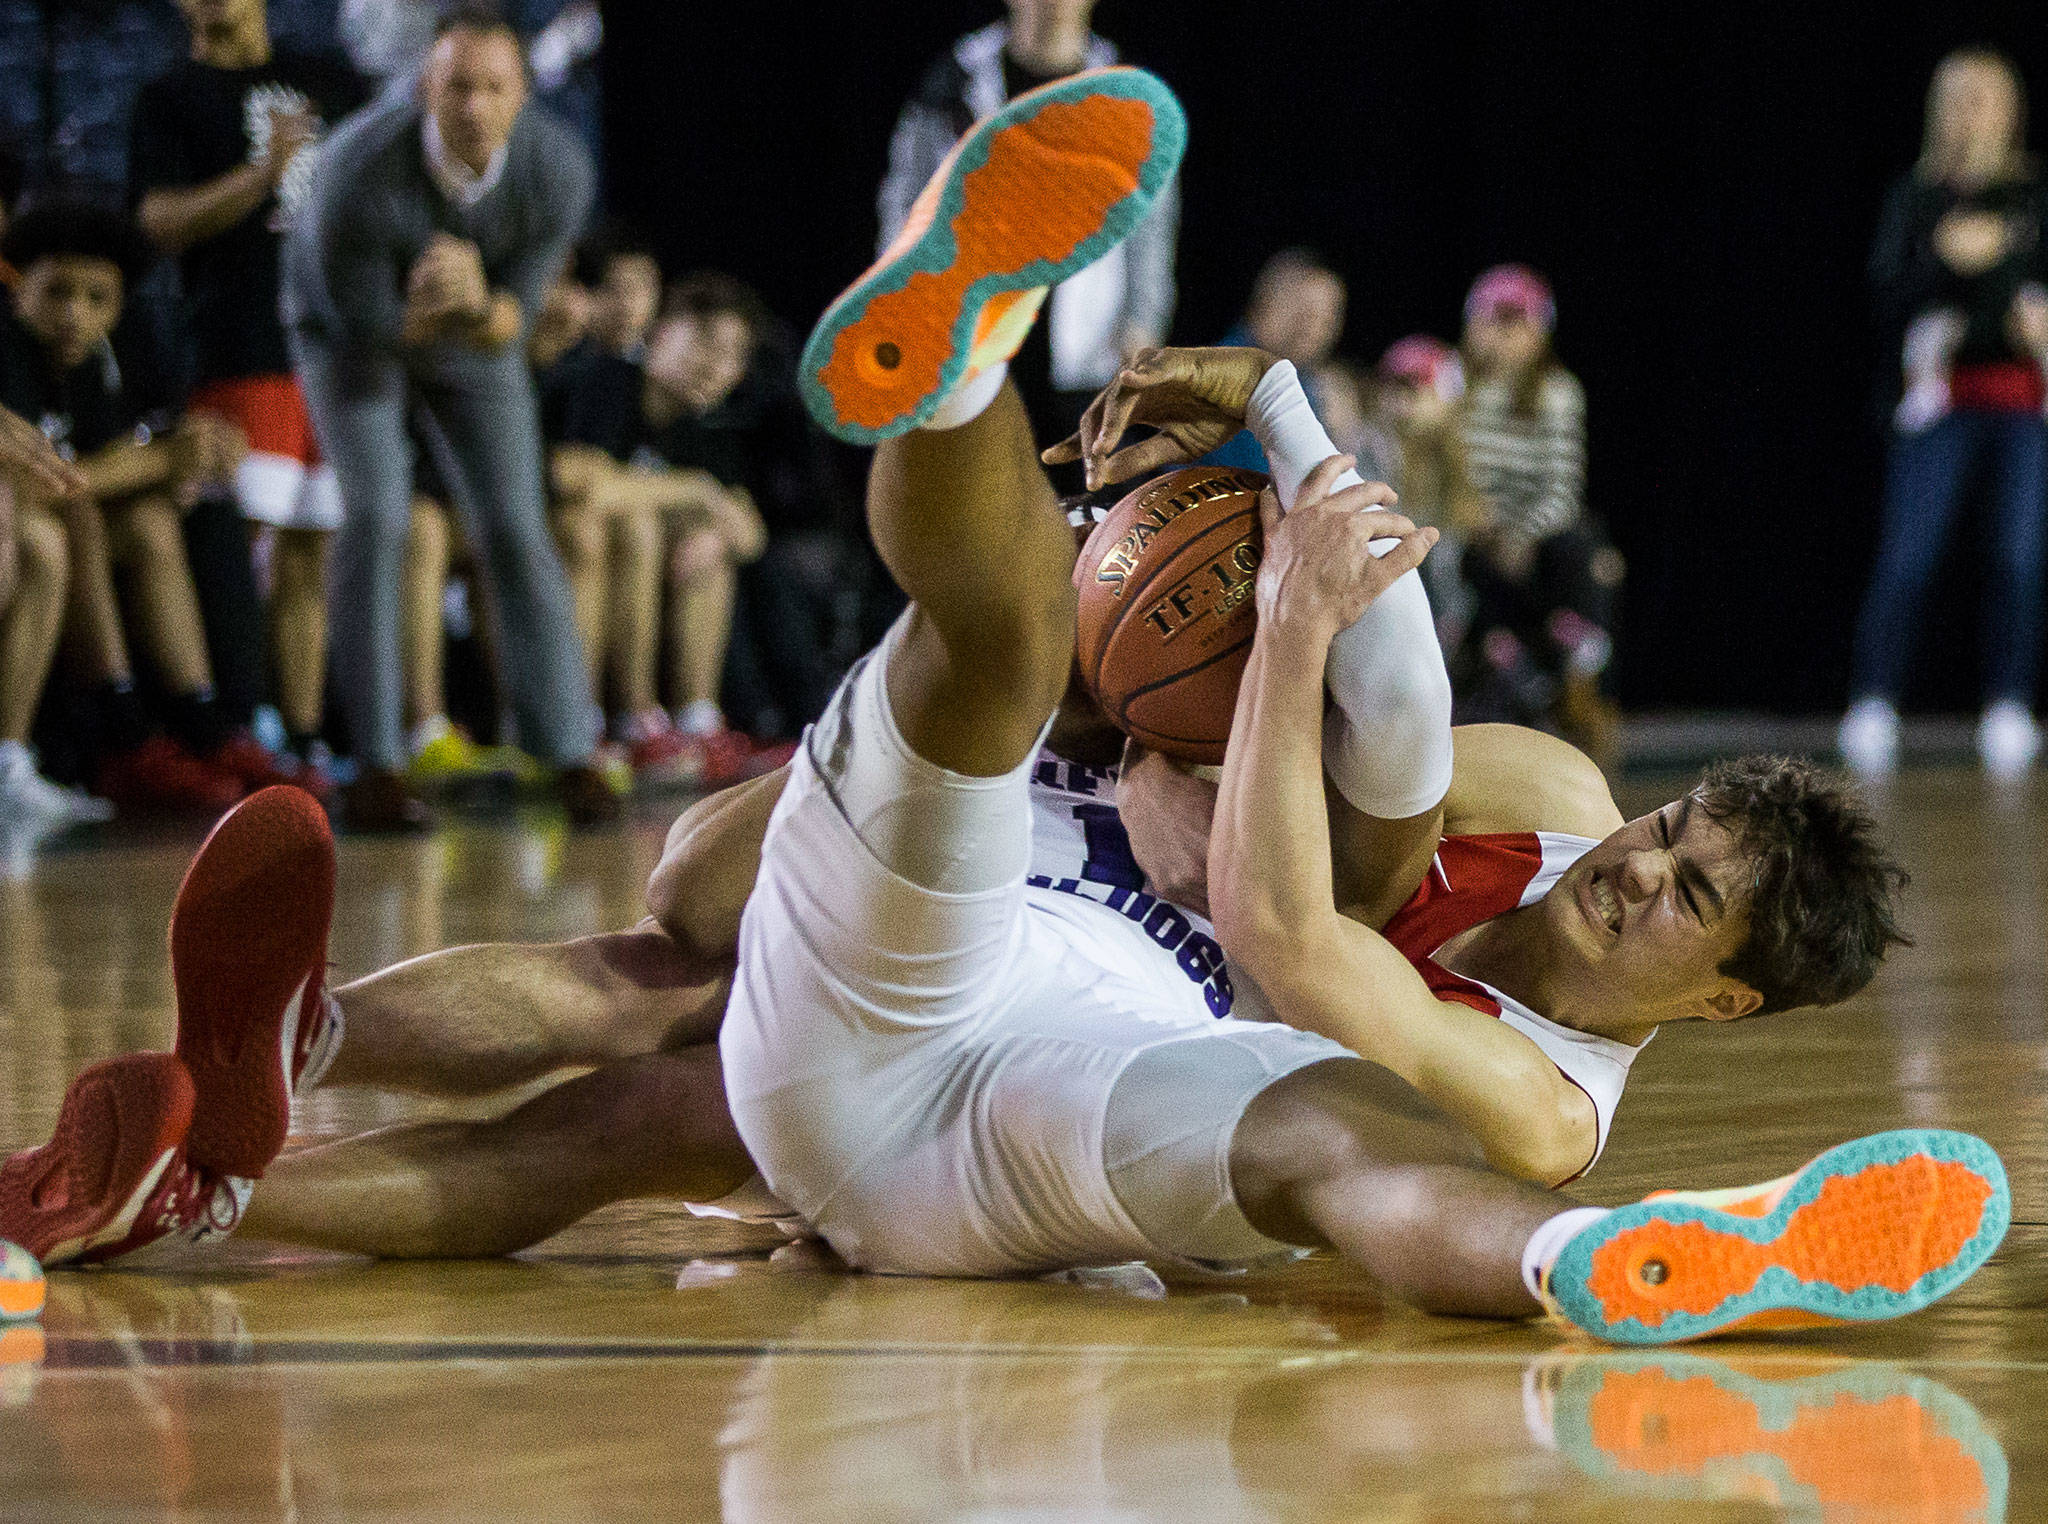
1543, 578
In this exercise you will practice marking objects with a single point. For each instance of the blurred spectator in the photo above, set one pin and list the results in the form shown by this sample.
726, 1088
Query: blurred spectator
390, 39
651, 479
1957, 273
429, 238
1296, 311
224, 151
1544, 581
34, 578
559, 326
1120, 304
1406, 436
617, 267
106, 408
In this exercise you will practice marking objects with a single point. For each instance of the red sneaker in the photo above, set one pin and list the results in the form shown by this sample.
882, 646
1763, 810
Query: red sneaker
114, 1178
242, 756
732, 756
249, 962
660, 754
161, 775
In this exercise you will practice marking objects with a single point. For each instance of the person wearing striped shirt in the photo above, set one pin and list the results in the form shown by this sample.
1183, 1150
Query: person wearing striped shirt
1543, 578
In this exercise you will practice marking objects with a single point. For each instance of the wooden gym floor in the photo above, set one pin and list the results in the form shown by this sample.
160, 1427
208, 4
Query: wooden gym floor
646, 1367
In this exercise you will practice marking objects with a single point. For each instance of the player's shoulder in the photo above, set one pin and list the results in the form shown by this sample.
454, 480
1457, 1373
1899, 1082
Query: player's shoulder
1511, 778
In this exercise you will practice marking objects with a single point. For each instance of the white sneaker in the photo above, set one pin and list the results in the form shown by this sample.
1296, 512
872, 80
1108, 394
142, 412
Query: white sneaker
26, 794
2008, 740
1869, 738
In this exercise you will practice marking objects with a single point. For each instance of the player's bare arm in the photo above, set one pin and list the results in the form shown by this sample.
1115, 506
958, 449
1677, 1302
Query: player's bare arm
1511, 778
1270, 867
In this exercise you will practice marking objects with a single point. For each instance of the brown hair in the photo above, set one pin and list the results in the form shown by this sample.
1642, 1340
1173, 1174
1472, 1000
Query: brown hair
706, 293
1823, 912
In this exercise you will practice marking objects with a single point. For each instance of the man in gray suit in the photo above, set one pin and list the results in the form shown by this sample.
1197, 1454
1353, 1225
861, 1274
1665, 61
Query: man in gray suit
434, 226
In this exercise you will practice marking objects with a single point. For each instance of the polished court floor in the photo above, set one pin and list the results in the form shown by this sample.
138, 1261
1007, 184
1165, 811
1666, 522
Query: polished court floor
643, 1366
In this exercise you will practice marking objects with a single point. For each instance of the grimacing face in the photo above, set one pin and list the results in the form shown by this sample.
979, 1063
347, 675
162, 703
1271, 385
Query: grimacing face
475, 86
1640, 926
70, 302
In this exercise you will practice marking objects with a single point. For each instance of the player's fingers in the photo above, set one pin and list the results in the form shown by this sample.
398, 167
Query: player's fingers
1381, 524
1366, 495
1269, 510
1066, 451
1407, 555
1135, 460
1317, 484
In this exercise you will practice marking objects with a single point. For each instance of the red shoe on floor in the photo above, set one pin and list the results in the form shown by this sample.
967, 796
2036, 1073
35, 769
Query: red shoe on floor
114, 1177
732, 756
242, 756
161, 775
660, 754
249, 963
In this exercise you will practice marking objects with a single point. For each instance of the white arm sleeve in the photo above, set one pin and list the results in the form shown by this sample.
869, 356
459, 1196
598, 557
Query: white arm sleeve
1387, 743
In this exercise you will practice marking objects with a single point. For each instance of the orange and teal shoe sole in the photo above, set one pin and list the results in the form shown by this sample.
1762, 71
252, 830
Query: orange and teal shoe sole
1032, 195
1872, 1229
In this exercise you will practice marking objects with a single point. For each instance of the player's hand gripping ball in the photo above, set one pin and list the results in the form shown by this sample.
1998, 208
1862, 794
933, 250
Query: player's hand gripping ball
1166, 616
21, 1283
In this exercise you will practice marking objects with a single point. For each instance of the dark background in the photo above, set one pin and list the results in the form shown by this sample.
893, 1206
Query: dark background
1699, 182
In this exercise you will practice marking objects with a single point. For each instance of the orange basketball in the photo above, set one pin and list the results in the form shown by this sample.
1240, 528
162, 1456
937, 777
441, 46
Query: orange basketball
1166, 608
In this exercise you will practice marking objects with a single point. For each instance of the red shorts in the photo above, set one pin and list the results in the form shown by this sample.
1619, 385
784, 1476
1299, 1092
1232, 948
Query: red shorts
283, 481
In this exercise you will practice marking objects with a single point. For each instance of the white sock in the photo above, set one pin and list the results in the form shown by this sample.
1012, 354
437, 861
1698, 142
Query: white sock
1387, 747
1548, 1241
970, 399
428, 731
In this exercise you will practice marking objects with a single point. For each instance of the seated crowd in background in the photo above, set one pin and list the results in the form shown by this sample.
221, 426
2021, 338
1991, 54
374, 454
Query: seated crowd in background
1485, 441
170, 604
189, 344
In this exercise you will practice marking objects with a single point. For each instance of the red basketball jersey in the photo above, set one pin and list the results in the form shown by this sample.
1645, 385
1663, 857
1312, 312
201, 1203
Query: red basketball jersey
1473, 879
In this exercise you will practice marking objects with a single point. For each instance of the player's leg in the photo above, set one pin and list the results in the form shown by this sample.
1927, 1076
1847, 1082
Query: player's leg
651, 1126
474, 1020
911, 357
970, 527
1343, 1153
471, 1021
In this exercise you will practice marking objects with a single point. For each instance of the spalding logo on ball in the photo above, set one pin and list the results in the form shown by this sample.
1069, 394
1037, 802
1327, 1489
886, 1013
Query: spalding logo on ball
1166, 615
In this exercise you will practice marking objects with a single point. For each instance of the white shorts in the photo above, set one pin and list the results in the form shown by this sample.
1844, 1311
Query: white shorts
932, 1078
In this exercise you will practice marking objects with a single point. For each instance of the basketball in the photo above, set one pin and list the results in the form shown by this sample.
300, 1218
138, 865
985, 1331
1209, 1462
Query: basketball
1166, 611
21, 1283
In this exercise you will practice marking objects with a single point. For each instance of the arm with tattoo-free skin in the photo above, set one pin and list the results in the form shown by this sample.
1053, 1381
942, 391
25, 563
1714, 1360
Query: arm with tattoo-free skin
1270, 865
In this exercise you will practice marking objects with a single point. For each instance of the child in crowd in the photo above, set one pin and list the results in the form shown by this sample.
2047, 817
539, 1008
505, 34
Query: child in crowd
106, 408
1544, 580
650, 493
